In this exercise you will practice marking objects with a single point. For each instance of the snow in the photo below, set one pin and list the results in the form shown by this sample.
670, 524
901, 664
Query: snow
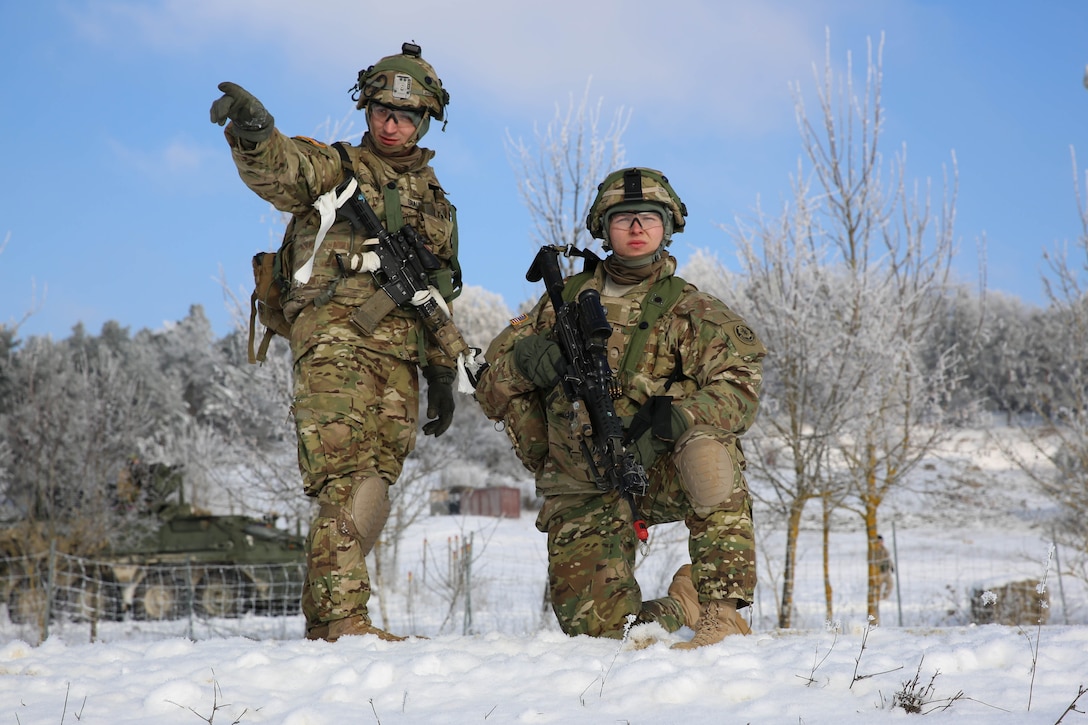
508, 663
806, 676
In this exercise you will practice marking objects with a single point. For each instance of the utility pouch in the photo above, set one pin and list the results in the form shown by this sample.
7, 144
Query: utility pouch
367, 316
265, 304
446, 335
526, 426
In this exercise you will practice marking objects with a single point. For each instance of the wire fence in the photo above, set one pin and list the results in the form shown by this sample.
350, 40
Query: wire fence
481, 575
63, 594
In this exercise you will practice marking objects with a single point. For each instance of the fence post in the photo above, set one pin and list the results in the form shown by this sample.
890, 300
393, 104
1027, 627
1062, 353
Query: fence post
1061, 587
895, 564
50, 585
189, 593
467, 565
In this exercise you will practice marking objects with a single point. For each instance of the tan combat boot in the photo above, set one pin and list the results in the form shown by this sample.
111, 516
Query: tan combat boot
719, 619
683, 591
357, 626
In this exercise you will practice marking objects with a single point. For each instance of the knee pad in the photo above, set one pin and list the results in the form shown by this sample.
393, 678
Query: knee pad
364, 513
369, 509
706, 468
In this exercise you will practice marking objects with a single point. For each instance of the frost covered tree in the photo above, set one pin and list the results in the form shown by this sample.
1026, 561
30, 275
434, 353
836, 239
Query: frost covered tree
73, 419
842, 286
558, 175
1059, 386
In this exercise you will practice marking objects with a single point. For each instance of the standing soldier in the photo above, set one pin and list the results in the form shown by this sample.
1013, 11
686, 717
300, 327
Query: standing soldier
693, 368
882, 561
356, 392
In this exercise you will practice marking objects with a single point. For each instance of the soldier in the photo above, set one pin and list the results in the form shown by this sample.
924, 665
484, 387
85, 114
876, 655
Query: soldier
885, 583
356, 392
689, 363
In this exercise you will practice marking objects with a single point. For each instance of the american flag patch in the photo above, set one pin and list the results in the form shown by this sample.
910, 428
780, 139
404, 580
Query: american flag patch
519, 320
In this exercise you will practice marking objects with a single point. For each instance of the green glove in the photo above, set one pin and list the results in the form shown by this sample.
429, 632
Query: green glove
440, 403
647, 449
656, 428
540, 360
252, 121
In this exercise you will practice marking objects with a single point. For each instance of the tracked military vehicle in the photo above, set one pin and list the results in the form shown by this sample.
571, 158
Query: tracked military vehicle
185, 562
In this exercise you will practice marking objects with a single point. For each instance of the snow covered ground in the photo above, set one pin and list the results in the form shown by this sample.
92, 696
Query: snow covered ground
474, 585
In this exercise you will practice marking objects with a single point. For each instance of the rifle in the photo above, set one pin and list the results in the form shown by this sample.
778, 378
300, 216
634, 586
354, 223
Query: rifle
582, 331
401, 266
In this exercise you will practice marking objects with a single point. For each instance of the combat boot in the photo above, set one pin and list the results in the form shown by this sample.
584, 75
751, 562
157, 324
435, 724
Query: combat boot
357, 626
683, 591
719, 619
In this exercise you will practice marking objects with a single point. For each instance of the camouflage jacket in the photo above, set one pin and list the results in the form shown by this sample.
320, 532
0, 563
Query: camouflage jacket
290, 174
717, 383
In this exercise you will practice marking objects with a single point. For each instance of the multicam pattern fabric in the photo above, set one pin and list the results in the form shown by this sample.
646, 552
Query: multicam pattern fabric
356, 411
337, 580
356, 396
715, 361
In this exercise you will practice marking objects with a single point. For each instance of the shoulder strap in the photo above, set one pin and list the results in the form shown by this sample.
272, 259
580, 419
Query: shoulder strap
345, 160
455, 263
660, 299
574, 284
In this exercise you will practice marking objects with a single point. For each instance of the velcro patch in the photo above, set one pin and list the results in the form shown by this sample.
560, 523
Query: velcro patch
519, 320
402, 86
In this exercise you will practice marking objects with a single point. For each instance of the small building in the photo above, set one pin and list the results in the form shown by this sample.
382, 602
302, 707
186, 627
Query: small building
498, 501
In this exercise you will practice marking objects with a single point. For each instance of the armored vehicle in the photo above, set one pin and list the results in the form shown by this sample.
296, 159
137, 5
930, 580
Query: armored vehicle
185, 561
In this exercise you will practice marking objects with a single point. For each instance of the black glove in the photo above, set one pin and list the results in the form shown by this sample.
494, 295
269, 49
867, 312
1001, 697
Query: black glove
252, 121
440, 402
540, 360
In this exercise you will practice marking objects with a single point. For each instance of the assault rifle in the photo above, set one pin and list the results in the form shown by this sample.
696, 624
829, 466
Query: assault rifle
582, 332
401, 266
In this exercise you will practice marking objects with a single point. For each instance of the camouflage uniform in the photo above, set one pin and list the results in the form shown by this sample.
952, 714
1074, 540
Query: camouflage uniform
715, 362
356, 396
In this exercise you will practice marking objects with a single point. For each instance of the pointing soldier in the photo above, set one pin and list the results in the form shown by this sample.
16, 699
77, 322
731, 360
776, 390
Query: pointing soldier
689, 371
356, 391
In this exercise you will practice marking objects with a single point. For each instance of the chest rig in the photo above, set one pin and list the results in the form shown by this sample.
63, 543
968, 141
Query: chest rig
662, 295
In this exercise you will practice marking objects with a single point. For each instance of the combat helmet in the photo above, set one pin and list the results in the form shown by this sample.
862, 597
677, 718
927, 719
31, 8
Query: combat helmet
402, 81
629, 189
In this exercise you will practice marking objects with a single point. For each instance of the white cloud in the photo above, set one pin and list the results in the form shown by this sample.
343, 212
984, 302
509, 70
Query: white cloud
178, 158
731, 60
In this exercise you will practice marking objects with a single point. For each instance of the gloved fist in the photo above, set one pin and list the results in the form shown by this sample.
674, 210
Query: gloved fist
540, 360
440, 403
252, 121
647, 448
654, 430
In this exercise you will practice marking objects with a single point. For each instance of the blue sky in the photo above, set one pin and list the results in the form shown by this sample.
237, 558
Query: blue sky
120, 202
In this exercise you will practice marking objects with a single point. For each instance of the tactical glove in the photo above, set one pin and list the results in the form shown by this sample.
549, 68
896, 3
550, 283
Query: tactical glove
647, 449
654, 430
251, 120
440, 403
540, 360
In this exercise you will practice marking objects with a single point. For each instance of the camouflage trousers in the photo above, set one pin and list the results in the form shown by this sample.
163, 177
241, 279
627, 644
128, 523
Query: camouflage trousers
592, 547
355, 413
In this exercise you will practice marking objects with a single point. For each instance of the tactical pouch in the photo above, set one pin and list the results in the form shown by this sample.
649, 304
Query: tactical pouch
526, 426
265, 304
446, 335
367, 316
